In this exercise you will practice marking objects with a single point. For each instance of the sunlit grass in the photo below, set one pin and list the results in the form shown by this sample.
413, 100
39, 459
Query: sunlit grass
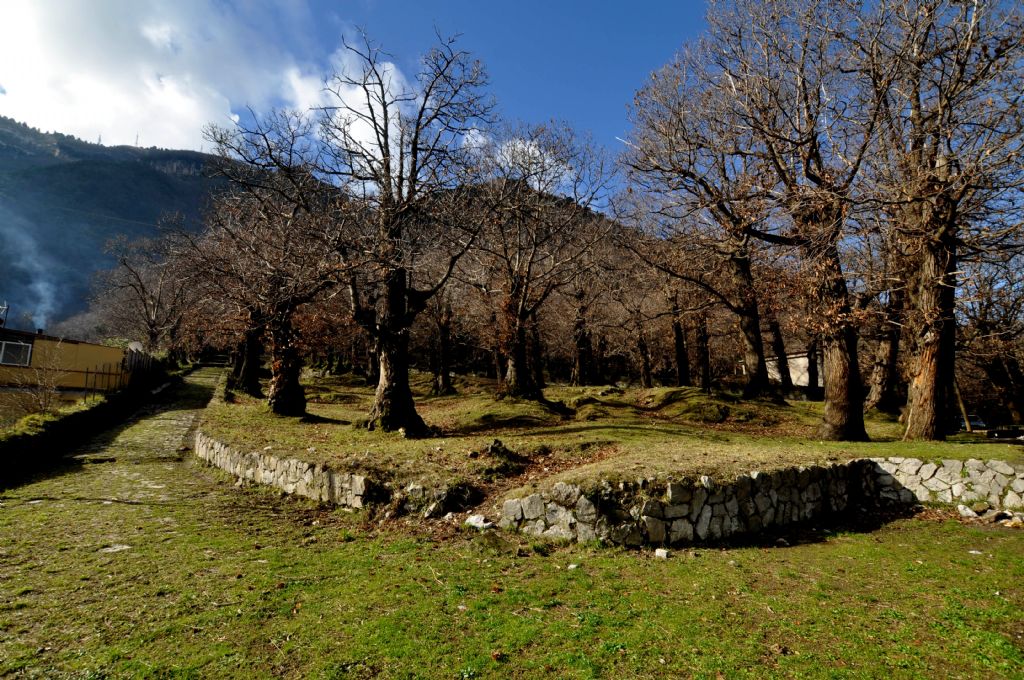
609, 433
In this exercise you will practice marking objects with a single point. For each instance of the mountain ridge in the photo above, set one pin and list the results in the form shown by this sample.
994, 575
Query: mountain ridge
62, 199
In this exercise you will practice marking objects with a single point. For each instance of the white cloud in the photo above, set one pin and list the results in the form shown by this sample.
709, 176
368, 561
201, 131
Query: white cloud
157, 69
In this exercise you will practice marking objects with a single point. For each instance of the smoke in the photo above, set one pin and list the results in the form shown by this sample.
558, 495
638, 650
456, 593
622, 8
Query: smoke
27, 283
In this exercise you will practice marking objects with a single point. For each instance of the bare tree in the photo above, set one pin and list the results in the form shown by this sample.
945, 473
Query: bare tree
146, 293
540, 201
790, 74
404, 149
273, 243
697, 174
948, 162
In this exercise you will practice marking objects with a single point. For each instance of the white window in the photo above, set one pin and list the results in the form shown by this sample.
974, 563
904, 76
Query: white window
15, 353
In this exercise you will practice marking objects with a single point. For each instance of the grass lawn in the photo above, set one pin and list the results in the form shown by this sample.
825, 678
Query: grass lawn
608, 433
215, 581
137, 561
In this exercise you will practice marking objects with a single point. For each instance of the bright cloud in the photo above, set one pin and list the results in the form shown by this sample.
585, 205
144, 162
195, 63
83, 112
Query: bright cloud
151, 68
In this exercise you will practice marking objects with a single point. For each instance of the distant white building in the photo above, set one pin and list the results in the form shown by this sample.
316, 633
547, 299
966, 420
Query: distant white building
797, 369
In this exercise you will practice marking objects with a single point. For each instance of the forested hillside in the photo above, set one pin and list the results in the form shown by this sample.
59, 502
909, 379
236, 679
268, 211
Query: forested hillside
61, 201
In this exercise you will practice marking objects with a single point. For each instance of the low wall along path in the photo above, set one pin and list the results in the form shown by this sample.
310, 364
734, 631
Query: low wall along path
673, 512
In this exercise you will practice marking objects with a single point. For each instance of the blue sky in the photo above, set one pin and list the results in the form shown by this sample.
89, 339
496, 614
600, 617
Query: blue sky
161, 70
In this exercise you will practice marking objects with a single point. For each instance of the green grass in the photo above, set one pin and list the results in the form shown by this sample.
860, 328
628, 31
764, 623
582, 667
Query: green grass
222, 582
139, 562
611, 434
34, 423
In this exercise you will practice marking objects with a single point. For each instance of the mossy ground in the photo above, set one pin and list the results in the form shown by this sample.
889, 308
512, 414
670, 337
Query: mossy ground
605, 433
135, 560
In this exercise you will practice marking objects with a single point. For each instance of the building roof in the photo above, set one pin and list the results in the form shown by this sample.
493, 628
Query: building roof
27, 336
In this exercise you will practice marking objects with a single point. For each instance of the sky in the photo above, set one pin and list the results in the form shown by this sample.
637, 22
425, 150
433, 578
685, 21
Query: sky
158, 71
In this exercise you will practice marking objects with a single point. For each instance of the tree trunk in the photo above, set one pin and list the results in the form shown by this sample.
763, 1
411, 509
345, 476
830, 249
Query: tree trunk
393, 406
441, 360
781, 360
519, 378
682, 357
843, 419
749, 316
286, 396
813, 377
1005, 374
883, 393
844, 398
931, 386
248, 379
644, 353
753, 354
583, 351
371, 359
704, 352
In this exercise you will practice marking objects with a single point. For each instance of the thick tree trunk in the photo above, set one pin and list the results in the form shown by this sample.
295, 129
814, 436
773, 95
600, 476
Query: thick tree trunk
704, 352
883, 392
844, 417
286, 396
681, 355
781, 360
931, 386
844, 397
250, 350
519, 377
393, 406
749, 317
753, 354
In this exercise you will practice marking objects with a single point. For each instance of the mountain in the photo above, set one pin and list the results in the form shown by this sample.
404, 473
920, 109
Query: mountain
62, 200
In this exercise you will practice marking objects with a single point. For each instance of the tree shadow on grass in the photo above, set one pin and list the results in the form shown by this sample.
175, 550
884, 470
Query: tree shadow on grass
633, 430
860, 520
314, 419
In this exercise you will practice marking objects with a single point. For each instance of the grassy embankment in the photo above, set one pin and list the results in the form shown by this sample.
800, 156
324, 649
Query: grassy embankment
608, 433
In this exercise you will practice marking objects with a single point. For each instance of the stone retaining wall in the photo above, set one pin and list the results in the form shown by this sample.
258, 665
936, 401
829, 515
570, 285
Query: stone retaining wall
699, 510
665, 513
687, 511
910, 480
318, 482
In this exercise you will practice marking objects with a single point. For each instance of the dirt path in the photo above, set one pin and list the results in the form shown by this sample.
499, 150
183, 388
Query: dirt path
121, 498
131, 462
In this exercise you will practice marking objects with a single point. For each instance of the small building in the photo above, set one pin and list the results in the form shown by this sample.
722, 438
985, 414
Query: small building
798, 365
72, 367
